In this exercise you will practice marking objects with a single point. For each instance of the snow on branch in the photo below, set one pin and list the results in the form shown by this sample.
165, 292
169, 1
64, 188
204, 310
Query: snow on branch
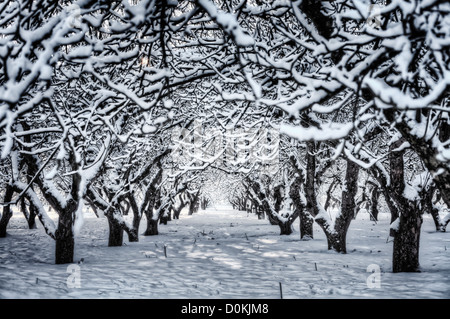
327, 131
228, 23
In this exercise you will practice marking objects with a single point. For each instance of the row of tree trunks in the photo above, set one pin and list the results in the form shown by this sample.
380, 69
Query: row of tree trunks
30, 213
407, 210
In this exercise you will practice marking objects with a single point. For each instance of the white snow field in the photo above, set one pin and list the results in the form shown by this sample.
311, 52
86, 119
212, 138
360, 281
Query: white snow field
220, 254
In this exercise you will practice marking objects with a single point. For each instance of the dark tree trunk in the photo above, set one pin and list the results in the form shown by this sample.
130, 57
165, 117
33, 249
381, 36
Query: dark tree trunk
337, 242
152, 227
133, 235
397, 173
260, 213
440, 226
427, 200
394, 216
115, 233
373, 203
29, 213
193, 202
348, 208
7, 213
4, 223
306, 225
165, 217
427, 152
177, 211
407, 236
285, 228
126, 209
392, 207
406, 243
192, 208
278, 198
305, 217
272, 220
32, 218
64, 250
336, 236
328, 200
65, 243
204, 203
388, 195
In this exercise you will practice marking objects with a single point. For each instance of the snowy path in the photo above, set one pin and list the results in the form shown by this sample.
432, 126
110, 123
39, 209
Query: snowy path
220, 254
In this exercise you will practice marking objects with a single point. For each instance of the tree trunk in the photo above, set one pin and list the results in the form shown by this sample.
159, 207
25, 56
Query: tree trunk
32, 218
427, 152
133, 236
406, 243
285, 228
336, 236
65, 243
193, 208
7, 213
166, 215
4, 223
133, 233
64, 251
164, 220
193, 202
306, 225
373, 204
337, 241
176, 212
30, 214
260, 213
440, 227
272, 220
305, 217
407, 235
427, 200
152, 227
115, 233
394, 212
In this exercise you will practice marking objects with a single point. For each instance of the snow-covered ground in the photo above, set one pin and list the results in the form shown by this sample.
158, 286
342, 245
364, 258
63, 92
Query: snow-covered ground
220, 254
